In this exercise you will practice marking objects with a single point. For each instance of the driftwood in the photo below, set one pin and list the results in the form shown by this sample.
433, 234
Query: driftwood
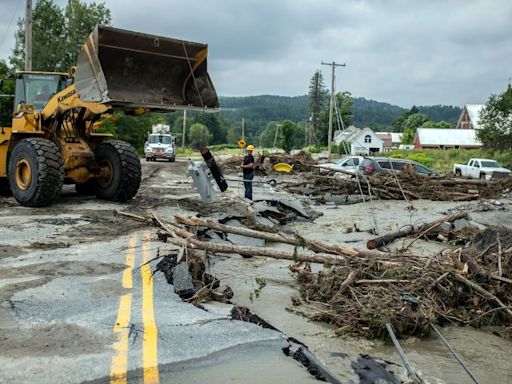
483, 291
421, 230
183, 238
277, 237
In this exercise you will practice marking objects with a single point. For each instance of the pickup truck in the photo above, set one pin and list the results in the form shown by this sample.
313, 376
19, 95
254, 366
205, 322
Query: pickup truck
484, 169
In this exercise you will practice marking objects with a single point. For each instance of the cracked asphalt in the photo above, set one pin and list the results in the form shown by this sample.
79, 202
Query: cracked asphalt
78, 304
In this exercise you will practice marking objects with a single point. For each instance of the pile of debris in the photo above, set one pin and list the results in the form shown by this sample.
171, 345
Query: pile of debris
469, 286
301, 162
361, 290
400, 186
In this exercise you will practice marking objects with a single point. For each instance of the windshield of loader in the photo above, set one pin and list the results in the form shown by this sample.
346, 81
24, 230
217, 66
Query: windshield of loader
38, 88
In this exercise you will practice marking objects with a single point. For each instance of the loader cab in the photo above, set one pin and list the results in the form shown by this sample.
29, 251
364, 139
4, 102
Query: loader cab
37, 88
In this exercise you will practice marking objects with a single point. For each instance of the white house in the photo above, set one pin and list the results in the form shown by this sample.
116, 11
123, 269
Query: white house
470, 117
362, 141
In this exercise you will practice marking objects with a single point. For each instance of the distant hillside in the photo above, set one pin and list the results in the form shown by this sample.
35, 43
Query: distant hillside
260, 110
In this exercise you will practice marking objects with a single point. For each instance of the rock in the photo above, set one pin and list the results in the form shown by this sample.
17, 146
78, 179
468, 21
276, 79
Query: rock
461, 224
442, 238
182, 281
445, 227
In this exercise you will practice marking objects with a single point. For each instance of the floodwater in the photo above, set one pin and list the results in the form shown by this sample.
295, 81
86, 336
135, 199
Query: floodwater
256, 365
485, 354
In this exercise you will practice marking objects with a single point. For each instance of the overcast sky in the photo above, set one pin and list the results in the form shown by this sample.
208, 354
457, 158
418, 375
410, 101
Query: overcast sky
398, 51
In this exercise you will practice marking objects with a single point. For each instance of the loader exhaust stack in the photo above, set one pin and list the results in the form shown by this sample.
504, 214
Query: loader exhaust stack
130, 70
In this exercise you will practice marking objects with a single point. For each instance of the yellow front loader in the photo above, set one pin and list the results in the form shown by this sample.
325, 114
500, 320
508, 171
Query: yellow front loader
52, 139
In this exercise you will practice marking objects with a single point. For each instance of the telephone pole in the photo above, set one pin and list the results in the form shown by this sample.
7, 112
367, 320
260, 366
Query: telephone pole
333, 65
28, 36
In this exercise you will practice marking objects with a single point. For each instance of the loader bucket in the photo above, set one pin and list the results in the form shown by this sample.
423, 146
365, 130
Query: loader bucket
132, 70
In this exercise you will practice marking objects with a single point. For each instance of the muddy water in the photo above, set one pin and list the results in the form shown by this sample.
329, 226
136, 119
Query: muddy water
252, 366
487, 355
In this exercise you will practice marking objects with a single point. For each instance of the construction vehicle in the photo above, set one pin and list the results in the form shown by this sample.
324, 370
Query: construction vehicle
54, 139
160, 144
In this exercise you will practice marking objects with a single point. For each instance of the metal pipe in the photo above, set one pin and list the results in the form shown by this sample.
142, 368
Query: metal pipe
271, 182
401, 353
455, 354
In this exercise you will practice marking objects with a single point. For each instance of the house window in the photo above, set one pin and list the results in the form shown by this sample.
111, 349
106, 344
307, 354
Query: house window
367, 139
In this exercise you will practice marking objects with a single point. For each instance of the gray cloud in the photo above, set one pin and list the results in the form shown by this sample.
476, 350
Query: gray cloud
404, 52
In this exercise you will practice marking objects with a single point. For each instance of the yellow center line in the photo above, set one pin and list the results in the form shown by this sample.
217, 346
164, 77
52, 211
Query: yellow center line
119, 364
149, 344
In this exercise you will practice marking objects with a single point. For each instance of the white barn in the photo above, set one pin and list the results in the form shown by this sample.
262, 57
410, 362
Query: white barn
362, 141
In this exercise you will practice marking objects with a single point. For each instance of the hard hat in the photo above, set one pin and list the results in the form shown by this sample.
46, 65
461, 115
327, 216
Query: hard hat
250, 147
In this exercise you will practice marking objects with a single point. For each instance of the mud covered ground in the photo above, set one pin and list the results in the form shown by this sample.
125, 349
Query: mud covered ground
62, 277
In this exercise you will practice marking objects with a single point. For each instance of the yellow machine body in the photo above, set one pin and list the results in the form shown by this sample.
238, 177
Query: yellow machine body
116, 70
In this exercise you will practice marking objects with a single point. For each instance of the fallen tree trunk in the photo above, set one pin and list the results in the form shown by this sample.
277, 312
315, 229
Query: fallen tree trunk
306, 256
183, 238
422, 230
277, 237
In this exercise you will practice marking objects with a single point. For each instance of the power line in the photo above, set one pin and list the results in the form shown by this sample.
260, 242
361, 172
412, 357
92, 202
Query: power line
10, 22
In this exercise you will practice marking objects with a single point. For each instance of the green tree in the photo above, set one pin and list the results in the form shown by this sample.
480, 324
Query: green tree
58, 33
199, 136
266, 137
397, 125
214, 125
410, 125
6, 96
437, 124
343, 104
317, 96
288, 130
496, 122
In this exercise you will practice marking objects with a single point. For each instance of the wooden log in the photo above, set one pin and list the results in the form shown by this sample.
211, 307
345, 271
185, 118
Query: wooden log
422, 230
280, 237
299, 255
276, 237
183, 238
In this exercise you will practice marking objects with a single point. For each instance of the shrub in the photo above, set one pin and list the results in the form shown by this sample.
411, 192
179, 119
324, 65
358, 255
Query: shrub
420, 158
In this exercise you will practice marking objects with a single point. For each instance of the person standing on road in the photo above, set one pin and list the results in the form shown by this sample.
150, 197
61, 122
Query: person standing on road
248, 171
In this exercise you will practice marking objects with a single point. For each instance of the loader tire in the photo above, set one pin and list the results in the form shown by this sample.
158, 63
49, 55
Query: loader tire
121, 171
36, 172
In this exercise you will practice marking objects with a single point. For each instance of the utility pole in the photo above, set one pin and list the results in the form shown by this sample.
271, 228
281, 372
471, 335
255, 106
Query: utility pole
243, 129
184, 128
28, 36
331, 103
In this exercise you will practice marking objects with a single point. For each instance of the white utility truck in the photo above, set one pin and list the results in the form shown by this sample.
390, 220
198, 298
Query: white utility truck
161, 144
484, 169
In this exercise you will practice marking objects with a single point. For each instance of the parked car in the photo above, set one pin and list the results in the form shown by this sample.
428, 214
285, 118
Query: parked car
375, 165
345, 164
481, 169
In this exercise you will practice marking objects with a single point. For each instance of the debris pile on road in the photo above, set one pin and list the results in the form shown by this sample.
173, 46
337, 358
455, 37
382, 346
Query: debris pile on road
400, 186
469, 286
360, 290
301, 162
